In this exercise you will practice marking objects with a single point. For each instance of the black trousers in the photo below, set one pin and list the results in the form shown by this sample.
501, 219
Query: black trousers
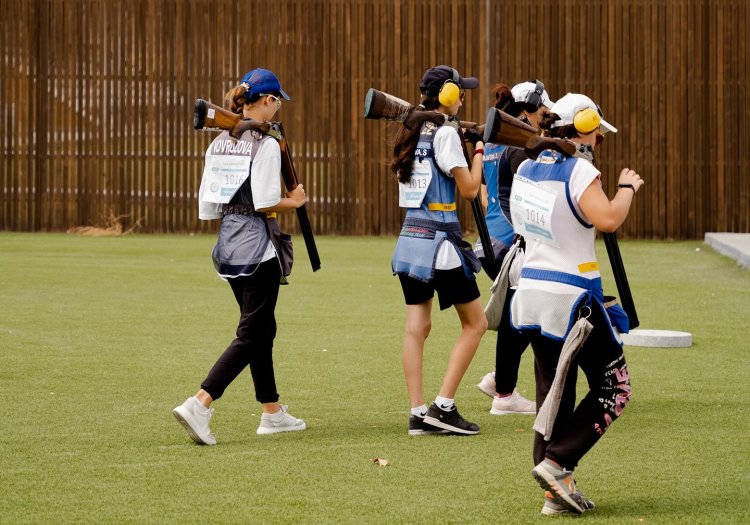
256, 295
509, 348
578, 428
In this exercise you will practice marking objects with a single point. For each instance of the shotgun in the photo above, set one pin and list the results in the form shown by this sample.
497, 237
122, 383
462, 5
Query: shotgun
383, 106
210, 117
380, 105
501, 128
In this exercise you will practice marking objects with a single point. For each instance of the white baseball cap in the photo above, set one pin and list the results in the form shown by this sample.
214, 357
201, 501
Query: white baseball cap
526, 93
571, 104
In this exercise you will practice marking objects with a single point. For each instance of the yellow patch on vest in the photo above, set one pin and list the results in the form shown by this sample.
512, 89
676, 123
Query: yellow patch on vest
588, 267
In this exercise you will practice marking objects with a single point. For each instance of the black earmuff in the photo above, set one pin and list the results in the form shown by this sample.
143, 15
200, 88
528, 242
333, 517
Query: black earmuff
450, 91
535, 97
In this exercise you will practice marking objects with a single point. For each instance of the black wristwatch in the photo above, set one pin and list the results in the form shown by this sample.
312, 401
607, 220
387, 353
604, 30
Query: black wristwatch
627, 186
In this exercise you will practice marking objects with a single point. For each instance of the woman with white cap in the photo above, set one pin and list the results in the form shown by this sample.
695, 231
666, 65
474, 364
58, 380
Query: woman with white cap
527, 101
429, 257
557, 204
249, 255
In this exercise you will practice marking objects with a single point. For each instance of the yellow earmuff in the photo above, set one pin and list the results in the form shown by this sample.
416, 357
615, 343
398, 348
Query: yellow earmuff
449, 93
587, 120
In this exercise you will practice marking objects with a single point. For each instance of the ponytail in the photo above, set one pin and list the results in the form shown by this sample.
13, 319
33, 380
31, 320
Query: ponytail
562, 132
503, 97
236, 98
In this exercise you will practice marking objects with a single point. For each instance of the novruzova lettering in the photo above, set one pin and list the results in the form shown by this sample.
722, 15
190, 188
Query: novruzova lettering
229, 146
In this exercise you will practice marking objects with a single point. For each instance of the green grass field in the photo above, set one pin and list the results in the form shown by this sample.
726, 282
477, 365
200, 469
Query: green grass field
101, 337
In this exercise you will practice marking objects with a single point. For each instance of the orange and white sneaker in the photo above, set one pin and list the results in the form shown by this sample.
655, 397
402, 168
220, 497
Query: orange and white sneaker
561, 486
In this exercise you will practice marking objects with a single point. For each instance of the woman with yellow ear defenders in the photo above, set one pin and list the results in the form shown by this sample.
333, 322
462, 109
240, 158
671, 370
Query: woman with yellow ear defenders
430, 255
527, 101
557, 204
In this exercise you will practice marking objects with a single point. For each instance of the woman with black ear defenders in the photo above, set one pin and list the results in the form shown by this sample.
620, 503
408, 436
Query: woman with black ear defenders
429, 256
557, 204
527, 101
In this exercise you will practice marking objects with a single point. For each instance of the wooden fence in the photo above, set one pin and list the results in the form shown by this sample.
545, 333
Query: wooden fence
96, 99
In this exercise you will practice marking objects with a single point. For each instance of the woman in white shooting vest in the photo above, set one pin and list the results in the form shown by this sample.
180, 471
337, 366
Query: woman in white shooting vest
557, 203
251, 254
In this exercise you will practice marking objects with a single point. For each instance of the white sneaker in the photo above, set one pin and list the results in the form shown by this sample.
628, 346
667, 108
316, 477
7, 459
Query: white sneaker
512, 404
195, 417
281, 421
487, 384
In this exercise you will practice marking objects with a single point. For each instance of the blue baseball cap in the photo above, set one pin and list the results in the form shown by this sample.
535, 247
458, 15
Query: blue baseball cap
261, 80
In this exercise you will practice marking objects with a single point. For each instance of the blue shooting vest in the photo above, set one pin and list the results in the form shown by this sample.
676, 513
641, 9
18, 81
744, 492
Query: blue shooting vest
434, 222
498, 221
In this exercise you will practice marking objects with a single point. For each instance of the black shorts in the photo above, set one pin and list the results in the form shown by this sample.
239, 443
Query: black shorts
452, 287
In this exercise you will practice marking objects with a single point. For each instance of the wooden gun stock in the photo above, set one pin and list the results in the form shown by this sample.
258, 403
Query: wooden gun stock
383, 106
501, 128
210, 117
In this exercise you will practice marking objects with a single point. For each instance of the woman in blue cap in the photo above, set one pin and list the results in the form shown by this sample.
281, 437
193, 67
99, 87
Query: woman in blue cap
430, 256
249, 254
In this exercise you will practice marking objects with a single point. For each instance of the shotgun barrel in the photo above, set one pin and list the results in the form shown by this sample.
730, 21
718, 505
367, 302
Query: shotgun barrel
621, 278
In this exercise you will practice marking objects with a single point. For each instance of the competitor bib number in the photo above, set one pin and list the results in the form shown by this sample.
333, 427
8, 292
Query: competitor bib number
531, 208
223, 174
411, 193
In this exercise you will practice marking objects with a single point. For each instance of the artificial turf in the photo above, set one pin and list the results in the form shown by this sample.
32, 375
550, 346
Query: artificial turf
101, 337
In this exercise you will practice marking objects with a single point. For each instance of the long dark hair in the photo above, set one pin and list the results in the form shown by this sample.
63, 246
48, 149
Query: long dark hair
407, 137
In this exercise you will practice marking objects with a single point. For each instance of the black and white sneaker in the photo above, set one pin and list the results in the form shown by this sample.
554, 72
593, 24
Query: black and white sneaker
417, 427
450, 420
